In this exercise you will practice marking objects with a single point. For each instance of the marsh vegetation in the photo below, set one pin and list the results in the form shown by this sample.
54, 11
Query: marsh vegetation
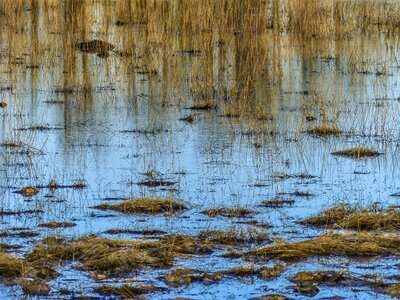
237, 149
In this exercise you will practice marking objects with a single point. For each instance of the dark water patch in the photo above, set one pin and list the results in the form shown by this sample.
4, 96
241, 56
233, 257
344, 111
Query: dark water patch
301, 194
188, 118
229, 212
277, 203
20, 212
99, 47
146, 131
40, 128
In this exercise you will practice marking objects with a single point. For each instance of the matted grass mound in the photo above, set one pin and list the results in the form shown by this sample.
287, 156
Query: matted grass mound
347, 217
358, 245
116, 255
145, 206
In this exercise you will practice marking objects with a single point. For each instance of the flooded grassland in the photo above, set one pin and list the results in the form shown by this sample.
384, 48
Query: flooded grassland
199, 149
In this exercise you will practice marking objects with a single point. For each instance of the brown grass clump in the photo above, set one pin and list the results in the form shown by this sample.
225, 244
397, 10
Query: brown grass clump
357, 153
235, 236
329, 217
35, 288
324, 130
28, 191
358, 219
319, 277
54, 224
10, 266
229, 212
393, 290
264, 273
183, 276
271, 297
145, 206
118, 256
358, 244
277, 203
128, 291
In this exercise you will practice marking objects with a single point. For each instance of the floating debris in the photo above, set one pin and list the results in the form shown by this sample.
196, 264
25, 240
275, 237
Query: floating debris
3, 104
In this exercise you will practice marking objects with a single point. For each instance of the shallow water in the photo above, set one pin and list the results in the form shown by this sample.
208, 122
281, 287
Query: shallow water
215, 161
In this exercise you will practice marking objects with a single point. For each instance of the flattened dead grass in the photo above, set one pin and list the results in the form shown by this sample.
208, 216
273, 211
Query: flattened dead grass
10, 266
118, 256
145, 206
128, 291
358, 245
347, 217
357, 153
229, 212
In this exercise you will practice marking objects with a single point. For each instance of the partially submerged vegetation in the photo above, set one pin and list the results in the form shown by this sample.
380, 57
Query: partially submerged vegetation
348, 217
332, 244
55, 224
128, 291
28, 191
145, 206
324, 130
229, 212
357, 153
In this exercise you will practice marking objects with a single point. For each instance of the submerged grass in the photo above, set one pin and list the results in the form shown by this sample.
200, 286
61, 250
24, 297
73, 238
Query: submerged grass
145, 206
128, 291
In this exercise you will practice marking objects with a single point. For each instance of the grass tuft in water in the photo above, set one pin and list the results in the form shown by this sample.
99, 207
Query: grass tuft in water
145, 206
